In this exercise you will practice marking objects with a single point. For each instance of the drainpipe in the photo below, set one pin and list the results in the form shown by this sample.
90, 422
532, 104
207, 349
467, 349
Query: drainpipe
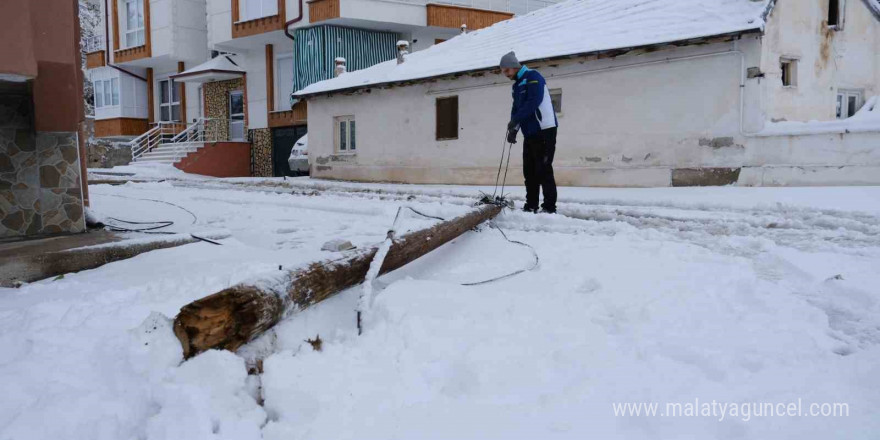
299, 17
295, 20
107, 42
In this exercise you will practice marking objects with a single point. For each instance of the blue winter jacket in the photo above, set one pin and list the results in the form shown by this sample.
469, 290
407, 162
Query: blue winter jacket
532, 107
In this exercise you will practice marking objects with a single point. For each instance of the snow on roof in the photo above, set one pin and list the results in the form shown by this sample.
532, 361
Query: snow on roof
867, 119
216, 69
567, 28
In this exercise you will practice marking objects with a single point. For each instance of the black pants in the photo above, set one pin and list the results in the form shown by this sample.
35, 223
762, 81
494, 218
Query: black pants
538, 152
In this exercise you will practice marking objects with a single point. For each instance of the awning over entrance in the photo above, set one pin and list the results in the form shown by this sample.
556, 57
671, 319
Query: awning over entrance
220, 68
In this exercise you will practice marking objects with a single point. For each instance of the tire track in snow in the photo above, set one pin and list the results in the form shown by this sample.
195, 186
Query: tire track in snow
802, 228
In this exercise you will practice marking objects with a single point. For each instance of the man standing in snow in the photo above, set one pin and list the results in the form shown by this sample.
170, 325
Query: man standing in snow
533, 114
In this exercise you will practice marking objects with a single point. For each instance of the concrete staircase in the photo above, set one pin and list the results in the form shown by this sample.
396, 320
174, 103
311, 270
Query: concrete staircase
169, 153
173, 142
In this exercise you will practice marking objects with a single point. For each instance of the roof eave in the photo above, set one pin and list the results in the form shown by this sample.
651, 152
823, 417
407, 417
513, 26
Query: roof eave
207, 74
874, 11
610, 53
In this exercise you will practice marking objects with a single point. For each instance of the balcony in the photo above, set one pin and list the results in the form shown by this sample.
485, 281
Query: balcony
289, 118
256, 26
136, 52
320, 10
453, 16
475, 14
96, 55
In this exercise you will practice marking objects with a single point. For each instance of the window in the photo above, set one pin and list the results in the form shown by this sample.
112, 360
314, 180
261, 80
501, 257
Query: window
556, 99
169, 100
789, 72
133, 23
849, 102
447, 118
345, 134
199, 93
254, 9
836, 13
114, 90
106, 92
236, 115
284, 81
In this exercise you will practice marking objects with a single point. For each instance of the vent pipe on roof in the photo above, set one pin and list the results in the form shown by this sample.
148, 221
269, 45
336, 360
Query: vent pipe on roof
402, 50
464, 28
340, 66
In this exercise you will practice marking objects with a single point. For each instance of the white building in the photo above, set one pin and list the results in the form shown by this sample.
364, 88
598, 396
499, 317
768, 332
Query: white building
161, 73
669, 92
145, 42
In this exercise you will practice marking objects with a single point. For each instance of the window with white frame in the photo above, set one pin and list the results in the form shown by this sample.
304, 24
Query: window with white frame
254, 9
106, 92
836, 14
283, 81
849, 102
345, 134
133, 24
169, 100
556, 100
789, 71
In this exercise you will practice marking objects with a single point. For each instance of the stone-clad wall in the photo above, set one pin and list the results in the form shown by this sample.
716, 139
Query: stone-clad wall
261, 152
217, 103
40, 178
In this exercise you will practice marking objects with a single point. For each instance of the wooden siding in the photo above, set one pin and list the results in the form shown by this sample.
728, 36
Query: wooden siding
96, 59
257, 26
270, 78
298, 116
150, 99
120, 127
132, 53
454, 16
181, 66
320, 10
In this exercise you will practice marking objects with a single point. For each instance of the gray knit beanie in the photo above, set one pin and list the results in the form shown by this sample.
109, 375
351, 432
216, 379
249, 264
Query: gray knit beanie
509, 61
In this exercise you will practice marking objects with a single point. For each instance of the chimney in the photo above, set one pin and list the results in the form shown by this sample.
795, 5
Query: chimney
464, 28
402, 50
340, 66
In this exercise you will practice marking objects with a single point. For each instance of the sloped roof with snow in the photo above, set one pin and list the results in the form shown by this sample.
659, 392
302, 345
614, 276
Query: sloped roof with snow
568, 28
219, 68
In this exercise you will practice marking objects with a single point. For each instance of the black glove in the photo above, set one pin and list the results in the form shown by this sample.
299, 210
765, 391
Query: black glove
511, 136
512, 125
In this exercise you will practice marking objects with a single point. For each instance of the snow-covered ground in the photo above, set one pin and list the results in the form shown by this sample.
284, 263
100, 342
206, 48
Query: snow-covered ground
737, 295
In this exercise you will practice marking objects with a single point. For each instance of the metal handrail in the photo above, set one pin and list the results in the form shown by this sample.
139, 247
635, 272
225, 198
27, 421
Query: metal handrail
207, 130
154, 137
179, 140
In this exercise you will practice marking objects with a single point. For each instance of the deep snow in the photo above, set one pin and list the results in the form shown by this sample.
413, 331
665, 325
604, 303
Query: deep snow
655, 295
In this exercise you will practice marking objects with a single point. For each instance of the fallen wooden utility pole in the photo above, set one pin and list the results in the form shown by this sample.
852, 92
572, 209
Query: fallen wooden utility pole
232, 317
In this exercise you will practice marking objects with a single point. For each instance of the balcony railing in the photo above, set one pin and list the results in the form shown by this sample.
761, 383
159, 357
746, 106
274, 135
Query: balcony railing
212, 130
93, 44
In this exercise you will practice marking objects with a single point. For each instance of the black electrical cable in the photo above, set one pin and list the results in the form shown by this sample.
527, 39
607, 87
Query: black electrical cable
158, 224
195, 218
503, 234
512, 274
